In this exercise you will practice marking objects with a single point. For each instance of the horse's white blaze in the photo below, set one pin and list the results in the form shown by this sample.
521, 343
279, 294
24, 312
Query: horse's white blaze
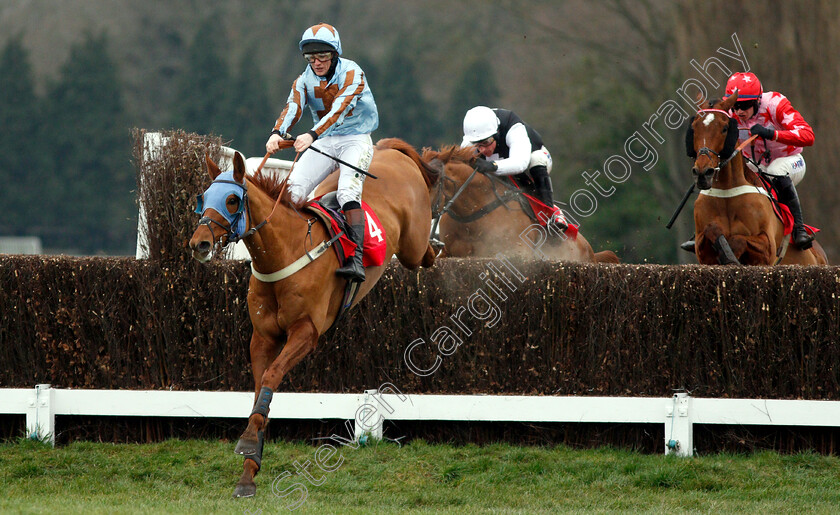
708, 119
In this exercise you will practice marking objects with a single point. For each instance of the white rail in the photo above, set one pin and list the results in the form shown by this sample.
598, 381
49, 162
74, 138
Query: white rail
678, 413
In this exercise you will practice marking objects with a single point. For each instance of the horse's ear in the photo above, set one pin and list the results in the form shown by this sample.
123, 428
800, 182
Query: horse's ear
436, 165
701, 100
731, 138
212, 169
727, 102
689, 140
238, 167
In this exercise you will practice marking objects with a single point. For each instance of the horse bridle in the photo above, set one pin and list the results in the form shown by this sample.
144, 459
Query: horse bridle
706, 151
441, 195
509, 195
232, 237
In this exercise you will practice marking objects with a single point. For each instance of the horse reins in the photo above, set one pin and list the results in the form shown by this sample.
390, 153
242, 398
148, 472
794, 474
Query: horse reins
706, 150
308, 256
721, 164
500, 201
232, 237
457, 193
781, 251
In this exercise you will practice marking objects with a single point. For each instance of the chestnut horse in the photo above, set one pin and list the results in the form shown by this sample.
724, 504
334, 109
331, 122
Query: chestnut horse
734, 222
288, 315
486, 217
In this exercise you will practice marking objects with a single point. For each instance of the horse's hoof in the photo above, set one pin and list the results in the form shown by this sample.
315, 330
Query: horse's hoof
246, 447
245, 490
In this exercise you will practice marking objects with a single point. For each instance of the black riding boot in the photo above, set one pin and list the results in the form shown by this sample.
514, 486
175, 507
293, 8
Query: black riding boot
525, 182
787, 195
688, 246
353, 269
542, 184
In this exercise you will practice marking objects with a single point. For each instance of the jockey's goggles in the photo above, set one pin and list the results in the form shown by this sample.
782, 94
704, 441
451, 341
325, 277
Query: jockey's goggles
321, 57
744, 105
486, 142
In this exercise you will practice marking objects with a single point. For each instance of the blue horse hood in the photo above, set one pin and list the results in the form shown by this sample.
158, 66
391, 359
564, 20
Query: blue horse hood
216, 195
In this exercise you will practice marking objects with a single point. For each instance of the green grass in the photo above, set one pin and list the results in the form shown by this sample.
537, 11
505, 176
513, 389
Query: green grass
198, 477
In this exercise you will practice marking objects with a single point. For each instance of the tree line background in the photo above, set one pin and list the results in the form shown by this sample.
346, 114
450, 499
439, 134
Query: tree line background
77, 75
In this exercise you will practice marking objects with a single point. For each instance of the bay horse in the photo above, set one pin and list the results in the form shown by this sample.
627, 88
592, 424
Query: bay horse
486, 216
734, 220
290, 314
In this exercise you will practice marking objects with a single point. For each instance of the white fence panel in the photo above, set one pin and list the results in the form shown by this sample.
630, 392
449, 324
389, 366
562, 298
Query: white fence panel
767, 412
369, 409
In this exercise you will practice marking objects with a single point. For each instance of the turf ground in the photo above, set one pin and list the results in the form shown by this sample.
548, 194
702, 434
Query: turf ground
198, 477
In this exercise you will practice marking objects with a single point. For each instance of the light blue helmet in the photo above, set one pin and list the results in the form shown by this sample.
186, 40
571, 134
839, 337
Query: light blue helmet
319, 35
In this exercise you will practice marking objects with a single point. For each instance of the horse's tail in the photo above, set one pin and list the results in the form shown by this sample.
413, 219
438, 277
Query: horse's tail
606, 256
430, 174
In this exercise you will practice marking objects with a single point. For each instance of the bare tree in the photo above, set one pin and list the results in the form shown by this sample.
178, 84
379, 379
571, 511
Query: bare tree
637, 41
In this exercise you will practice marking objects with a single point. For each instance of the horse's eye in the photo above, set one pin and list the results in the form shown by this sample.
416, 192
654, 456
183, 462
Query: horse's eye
232, 204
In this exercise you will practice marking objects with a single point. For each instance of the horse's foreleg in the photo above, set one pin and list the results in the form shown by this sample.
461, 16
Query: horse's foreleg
428, 257
246, 486
725, 255
713, 247
263, 353
301, 338
250, 444
415, 246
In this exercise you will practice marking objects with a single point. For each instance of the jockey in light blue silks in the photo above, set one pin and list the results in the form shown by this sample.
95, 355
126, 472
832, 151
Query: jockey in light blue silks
344, 113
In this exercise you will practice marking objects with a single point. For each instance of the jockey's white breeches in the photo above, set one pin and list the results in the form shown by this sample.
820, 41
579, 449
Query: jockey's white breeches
794, 166
312, 167
540, 157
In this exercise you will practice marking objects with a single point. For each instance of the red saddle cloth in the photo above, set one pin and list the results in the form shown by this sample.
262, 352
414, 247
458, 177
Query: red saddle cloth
374, 242
544, 213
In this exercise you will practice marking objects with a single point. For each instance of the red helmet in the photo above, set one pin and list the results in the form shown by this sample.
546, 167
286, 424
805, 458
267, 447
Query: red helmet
747, 84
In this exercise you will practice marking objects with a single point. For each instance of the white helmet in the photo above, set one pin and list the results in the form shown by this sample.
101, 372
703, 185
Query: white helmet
480, 123
320, 38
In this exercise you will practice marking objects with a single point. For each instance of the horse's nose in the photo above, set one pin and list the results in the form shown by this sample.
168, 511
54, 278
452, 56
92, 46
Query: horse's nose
701, 178
198, 244
202, 247
704, 172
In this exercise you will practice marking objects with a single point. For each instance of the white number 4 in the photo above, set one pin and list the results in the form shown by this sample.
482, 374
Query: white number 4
373, 230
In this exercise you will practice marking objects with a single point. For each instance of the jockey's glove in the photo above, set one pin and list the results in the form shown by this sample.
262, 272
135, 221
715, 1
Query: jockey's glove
764, 132
284, 135
485, 166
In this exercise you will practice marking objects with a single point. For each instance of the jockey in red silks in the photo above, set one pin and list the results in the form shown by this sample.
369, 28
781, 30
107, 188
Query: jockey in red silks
777, 152
510, 147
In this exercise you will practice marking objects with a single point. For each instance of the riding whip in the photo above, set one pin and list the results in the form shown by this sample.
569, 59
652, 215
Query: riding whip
288, 136
679, 208
691, 189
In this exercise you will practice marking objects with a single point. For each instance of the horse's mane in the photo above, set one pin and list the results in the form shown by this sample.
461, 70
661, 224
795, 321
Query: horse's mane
450, 153
269, 183
430, 174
